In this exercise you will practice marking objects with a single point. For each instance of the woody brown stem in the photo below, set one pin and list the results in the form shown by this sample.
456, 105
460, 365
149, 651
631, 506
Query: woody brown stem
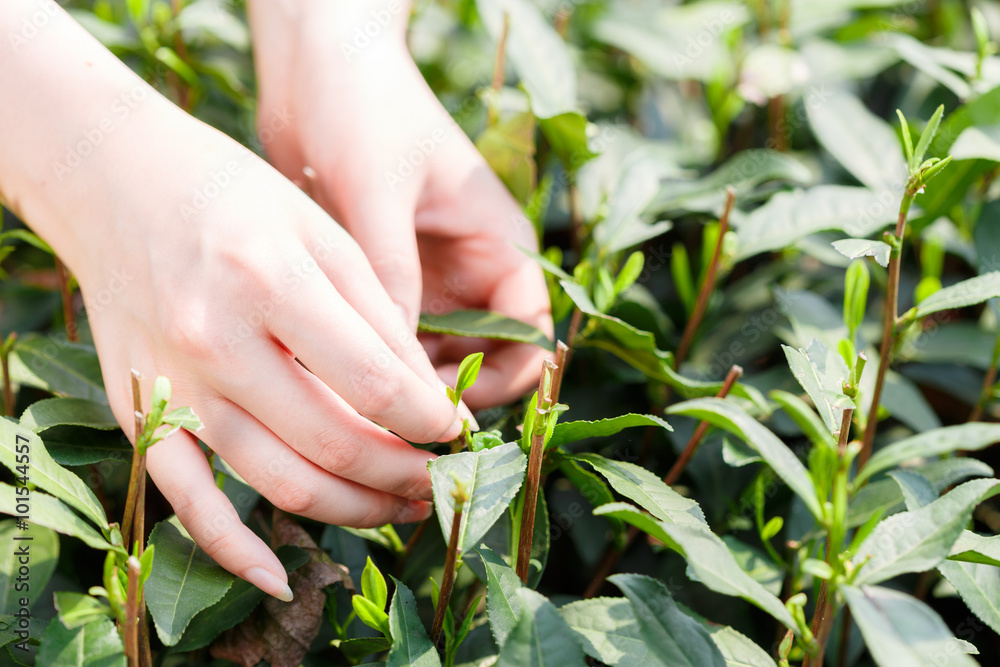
533, 478
448, 578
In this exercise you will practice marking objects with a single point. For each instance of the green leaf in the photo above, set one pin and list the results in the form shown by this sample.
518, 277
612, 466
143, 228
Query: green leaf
96, 644
817, 385
782, 460
709, 559
609, 632
183, 418
968, 437
483, 324
643, 487
966, 293
566, 432
979, 587
861, 141
536, 52
410, 643
541, 637
50, 412
52, 513
802, 414
356, 648
45, 473
901, 631
567, 135
927, 136
918, 540
468, 371
630, 272
624, 225
371, 615
64, 368
492, 477
509, 149
737, 649
42, 546
503, 605
855, 248
904, 128
670, 634
373, 585
76, 609
974, 548
184, 580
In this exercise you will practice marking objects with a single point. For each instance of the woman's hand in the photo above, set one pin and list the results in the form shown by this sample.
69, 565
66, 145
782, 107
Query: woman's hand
360, 130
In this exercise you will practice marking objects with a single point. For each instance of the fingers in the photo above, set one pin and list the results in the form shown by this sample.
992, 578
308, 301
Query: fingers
342, 349
294, 484
181, 472
325, 429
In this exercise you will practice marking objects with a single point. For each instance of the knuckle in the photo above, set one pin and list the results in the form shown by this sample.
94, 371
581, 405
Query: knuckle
378, 387
293, 495
190, 333
338, 453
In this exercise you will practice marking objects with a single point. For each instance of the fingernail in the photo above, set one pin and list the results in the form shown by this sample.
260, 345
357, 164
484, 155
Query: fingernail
415, 510
269, 583
409, 319
454, 431
464, 411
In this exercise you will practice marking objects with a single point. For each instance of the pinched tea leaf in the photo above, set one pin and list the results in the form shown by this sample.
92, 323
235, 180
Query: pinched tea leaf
901, 631
566, 432
709, 559
979, 587
541, 637
643, 487
50, 412
503, 606
52, 513
491, 478
45, 473
974, 548
969, 437
918, 540
672, 635
728, 416
483, 324
184, 580
410, 643
64, 368
96, 644
966, 293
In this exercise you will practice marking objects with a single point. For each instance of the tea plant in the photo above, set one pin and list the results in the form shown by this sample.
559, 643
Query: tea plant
770, 234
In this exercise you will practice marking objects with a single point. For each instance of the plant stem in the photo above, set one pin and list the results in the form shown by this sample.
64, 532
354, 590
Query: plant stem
138, 471
132, 613
72, 332
708, 285
988, 382
8, 390
612, 555
692, 446
498, 72
533, 478
845, 637
820, 627
562, 359
888, 330
448, 578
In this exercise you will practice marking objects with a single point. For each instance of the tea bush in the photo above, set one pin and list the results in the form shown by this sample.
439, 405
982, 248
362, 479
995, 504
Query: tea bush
771, 234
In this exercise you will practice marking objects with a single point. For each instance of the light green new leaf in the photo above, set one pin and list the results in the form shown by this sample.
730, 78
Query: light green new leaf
918, 540
96, 644
901, 631
373, 585
737, 649
975, 548
860, 141
50, 412
970, 437
966, 293
483, 324
979, 587
64, 368
728, 416
709, 559
43, 554
646, 489
855, 248
492, 478
566, 432
45, 473
184, 580
670, 634
502, 603
52, 513
410, 643
536, 52
76, 609
541, 637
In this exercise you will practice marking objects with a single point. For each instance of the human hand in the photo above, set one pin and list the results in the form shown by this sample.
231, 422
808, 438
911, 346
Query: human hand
365, 136
225, 277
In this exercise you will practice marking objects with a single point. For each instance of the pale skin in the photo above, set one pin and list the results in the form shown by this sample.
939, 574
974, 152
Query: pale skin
223, 292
